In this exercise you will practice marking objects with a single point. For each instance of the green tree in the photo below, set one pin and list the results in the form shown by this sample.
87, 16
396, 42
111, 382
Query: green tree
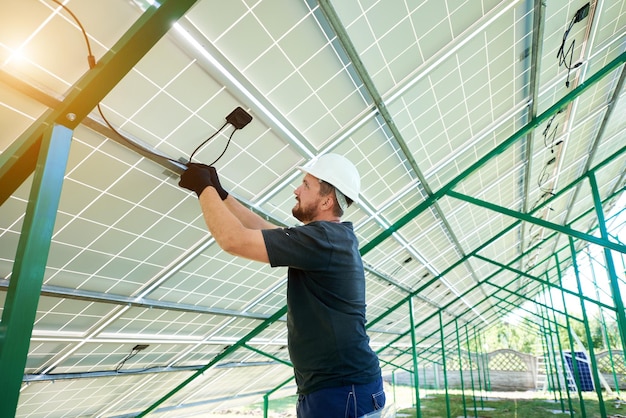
504, 335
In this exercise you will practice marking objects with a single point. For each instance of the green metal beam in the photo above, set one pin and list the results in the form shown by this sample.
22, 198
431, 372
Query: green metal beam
268, 355
572, 95
266, 397
561, 359
17, 162
44, 149
20, 306
460, 355
538, 221
414, 357
592, 356
231, 349
445, 363
486, 280
542, 281
610, 266
361, 70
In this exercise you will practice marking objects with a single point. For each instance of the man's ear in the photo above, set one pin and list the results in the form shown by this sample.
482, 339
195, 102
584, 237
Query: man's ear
328, 202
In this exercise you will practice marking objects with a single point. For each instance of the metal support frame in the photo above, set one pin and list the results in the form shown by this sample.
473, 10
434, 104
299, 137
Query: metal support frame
17, 162
471, 367
479, 367
613, 280
486, 280
241, 343
560, 361
418, 407
605, 334
25, 149
546, 282
44, 148
538, 221
266, 397
572, 350
444, 362
592, 356
459, 353
20, 306
552, 110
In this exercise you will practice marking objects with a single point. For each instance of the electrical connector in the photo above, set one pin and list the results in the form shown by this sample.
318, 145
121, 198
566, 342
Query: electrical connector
140, 347
238, 118
581, 13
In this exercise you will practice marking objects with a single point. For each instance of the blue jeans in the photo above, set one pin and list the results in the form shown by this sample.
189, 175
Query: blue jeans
350, 401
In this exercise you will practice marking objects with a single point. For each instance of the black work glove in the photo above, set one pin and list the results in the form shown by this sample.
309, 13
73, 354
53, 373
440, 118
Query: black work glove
215, 182
198, 177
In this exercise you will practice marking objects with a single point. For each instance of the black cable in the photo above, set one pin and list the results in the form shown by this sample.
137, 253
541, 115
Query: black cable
132, 143
207, 140
92, 63
551, 135
90, 58
562, 54
132, 354
225, 148
543, 177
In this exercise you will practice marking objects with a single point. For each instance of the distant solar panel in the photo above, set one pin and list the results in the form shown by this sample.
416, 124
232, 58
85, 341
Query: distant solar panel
583, 379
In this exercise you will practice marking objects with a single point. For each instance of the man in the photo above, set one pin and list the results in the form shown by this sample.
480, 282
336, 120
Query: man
336, 371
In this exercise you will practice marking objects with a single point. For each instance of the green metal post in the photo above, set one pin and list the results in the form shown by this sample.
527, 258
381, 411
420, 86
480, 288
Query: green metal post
575, 368
546, 346
560, 276
458, 345
549, 346
486, 365
469, 355
445, 367
605, 333
413, 401
266, 397
20, 306
231, 349
552, 359
560, 358
418, 412
592, 356
479, 366
393, 383
615, 290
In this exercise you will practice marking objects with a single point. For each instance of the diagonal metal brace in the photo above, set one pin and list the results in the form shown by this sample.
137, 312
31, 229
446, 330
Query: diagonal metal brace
18, 161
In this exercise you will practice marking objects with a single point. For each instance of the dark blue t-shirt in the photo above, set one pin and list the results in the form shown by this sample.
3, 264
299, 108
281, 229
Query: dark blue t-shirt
328, 344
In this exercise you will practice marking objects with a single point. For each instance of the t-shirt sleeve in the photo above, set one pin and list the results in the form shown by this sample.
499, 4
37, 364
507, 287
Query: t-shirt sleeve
305, 248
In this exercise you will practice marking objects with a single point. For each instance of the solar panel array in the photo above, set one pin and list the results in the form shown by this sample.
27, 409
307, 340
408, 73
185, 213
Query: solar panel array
474, 156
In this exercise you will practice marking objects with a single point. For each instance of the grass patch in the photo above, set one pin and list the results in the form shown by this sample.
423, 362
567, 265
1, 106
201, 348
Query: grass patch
434, 406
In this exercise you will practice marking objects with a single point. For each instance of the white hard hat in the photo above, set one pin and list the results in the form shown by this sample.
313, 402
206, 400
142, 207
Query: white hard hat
338, 171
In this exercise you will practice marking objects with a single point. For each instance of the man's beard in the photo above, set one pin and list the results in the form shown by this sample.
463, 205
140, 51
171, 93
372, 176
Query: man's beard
304, 214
